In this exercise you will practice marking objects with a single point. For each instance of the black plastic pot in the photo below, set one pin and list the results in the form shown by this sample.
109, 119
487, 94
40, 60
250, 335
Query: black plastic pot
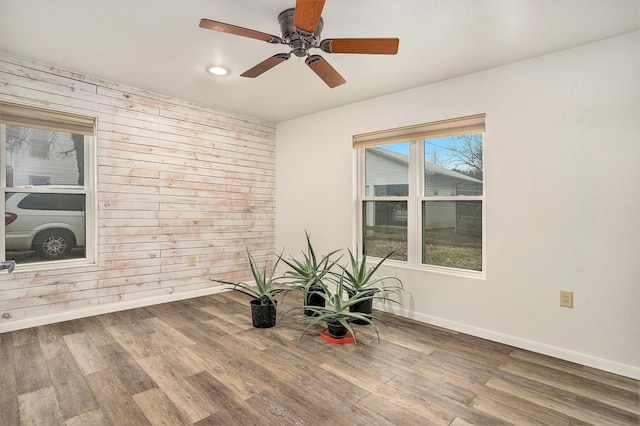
263, 316
363, 307
313, 299
336, 330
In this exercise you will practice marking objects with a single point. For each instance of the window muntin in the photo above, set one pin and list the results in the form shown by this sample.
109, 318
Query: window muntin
49, 213
444, 194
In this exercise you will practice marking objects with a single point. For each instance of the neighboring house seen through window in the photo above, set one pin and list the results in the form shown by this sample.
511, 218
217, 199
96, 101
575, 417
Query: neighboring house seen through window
422, 195
47, 168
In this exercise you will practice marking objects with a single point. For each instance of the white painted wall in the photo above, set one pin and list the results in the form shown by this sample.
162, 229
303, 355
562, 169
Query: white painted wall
562, 191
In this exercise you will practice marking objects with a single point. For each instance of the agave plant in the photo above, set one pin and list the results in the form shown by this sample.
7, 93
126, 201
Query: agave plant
363, 281
336, 310
266, 286
307, 274
360, 280
308, 271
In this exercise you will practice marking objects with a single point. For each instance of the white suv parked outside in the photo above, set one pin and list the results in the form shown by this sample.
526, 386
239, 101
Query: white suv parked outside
52, 224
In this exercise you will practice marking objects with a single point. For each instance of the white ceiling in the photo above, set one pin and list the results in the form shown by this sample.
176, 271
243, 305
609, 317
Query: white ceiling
157, 45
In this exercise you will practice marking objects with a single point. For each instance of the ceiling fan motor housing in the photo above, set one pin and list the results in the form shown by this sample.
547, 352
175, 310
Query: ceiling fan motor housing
300, 41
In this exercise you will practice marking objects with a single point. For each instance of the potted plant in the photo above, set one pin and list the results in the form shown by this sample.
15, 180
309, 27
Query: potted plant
361, 282
337, 314
263, 303
307, 274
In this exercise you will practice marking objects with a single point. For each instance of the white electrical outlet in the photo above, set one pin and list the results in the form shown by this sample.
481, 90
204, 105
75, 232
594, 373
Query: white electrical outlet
566, 299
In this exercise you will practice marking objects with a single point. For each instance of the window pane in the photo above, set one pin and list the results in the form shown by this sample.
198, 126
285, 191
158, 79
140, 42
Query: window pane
452, 234
385, 228
387, 170
43, 227
453, 166
36, 156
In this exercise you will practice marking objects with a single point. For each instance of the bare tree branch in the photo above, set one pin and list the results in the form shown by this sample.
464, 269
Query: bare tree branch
466, 152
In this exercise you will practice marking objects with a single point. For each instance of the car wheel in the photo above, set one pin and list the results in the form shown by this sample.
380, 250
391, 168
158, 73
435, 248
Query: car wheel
54, 243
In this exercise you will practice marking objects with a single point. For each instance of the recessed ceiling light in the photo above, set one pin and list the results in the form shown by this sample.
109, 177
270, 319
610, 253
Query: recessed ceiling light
218, 70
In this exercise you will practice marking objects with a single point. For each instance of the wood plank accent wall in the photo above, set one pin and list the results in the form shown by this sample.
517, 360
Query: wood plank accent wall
177, 183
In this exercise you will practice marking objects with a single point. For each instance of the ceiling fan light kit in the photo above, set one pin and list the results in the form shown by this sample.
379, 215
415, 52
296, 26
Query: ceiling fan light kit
300, 29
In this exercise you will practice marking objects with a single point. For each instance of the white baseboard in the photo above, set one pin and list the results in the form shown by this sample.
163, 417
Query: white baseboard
105, 309
541, 348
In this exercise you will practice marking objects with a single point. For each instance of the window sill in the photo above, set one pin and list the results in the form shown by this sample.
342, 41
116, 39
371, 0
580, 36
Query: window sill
57, 265
453, 272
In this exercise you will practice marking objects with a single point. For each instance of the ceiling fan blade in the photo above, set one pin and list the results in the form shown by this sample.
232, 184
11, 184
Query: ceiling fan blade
265, 65
307, 15
244, 32
379, 46
324, 70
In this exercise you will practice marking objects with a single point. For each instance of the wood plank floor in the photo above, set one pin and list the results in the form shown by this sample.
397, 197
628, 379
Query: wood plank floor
199, 361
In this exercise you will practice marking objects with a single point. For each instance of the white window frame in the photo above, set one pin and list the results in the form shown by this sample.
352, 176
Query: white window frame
416, 197
41, 117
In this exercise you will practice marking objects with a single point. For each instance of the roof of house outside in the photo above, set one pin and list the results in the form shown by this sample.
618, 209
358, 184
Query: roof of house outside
429, 168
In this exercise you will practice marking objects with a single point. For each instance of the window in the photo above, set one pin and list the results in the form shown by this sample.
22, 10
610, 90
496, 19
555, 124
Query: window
38, 180
421, 194
47, 180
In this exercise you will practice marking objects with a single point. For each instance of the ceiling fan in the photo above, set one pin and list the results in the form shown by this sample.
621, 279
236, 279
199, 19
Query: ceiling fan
301, 27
